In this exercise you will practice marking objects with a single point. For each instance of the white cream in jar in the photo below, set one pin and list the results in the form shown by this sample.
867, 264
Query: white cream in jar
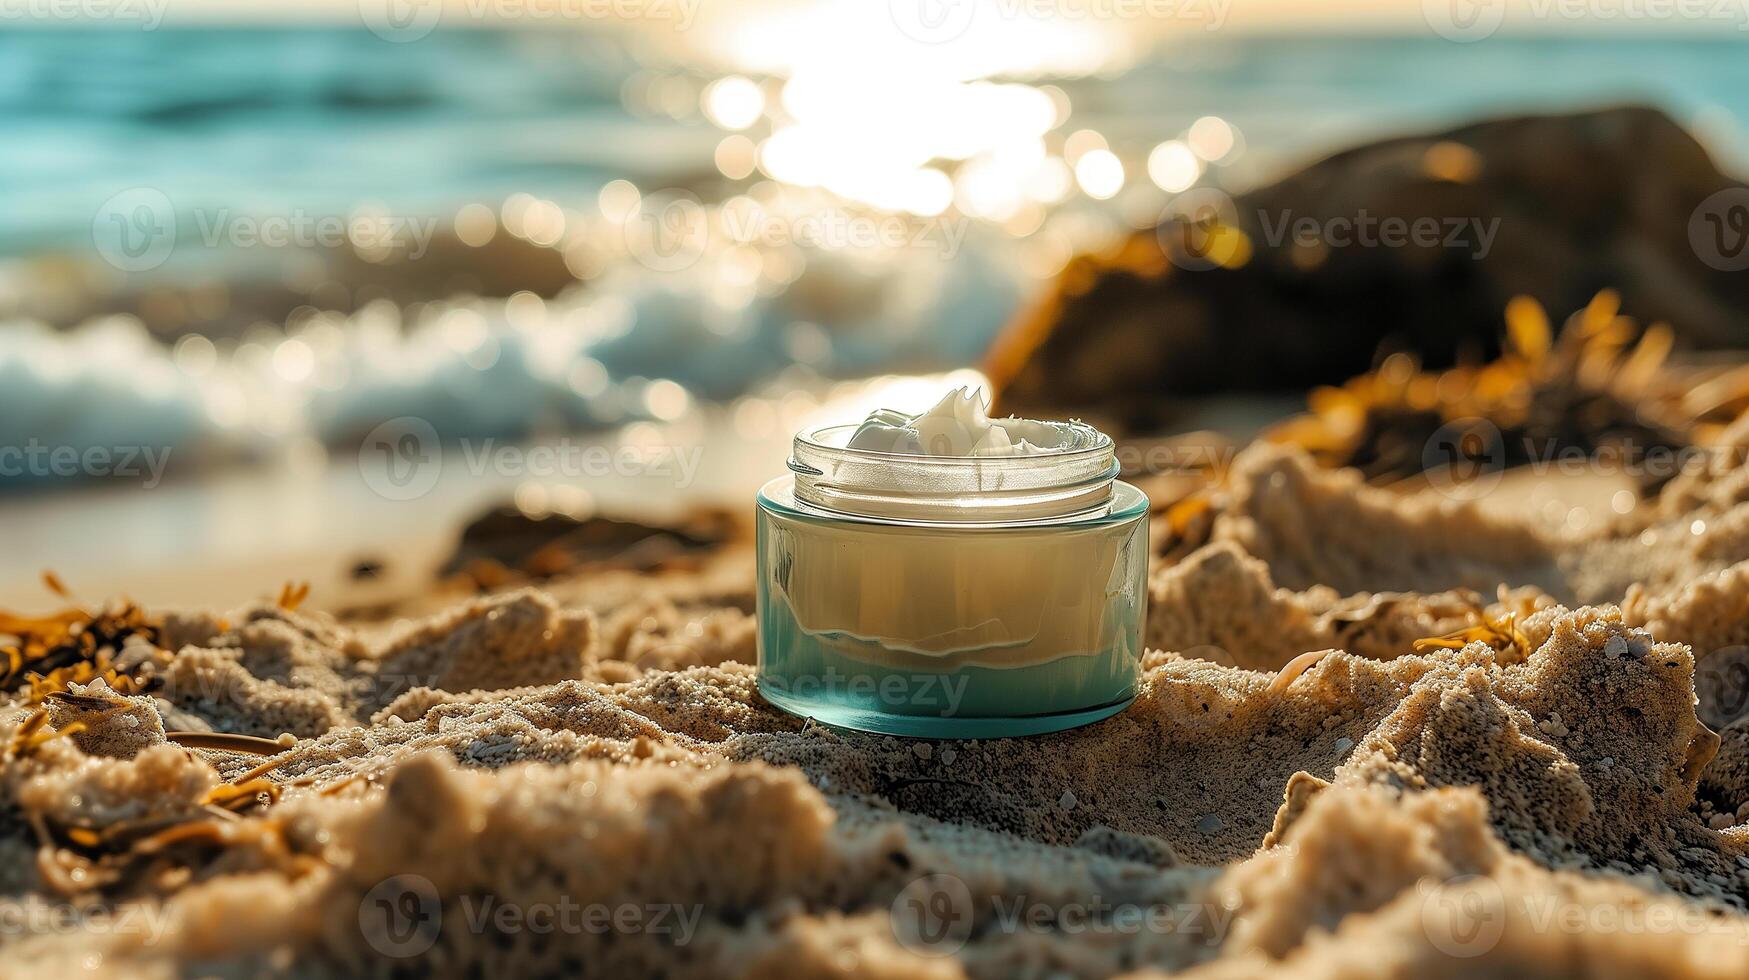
960, 425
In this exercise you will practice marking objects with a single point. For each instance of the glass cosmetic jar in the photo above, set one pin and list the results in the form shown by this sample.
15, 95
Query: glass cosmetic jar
951, 597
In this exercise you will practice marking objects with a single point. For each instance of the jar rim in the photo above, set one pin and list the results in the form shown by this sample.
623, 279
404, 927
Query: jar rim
1098, 444
1127, 503
835, 478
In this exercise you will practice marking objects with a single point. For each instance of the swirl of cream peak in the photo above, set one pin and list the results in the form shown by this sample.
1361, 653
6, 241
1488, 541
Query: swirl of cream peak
960, 425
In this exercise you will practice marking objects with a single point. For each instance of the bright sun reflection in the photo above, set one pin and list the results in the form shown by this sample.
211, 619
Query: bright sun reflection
1212, 138
875, 104
872, 39
734, 102
1100, 174
1173, 166
873, 142
883, 109
839, 134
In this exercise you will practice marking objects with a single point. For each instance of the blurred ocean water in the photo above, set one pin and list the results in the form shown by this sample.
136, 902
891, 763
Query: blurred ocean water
319, 119
324, 123
326, 119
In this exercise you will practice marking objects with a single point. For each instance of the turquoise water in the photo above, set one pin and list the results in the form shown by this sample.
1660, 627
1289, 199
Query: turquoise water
326, 118
294, 124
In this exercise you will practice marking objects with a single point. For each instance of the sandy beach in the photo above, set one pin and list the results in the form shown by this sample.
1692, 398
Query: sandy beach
464, 470
599, 738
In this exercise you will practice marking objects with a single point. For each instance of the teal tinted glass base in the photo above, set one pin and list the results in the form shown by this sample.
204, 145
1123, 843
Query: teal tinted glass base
872, 718
937, 631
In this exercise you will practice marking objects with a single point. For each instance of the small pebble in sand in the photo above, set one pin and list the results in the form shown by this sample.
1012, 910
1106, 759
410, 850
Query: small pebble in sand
948, 755
1344, 743
923, 750
1067, 800
1615, 646
1210, 824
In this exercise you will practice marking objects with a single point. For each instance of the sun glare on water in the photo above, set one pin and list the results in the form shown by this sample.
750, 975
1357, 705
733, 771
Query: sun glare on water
910, 106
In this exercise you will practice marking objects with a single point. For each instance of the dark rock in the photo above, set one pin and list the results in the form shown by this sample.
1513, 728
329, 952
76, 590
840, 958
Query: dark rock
1576, 203
505, 545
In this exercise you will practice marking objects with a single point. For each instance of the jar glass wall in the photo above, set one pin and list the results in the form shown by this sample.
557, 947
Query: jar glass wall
958, 629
